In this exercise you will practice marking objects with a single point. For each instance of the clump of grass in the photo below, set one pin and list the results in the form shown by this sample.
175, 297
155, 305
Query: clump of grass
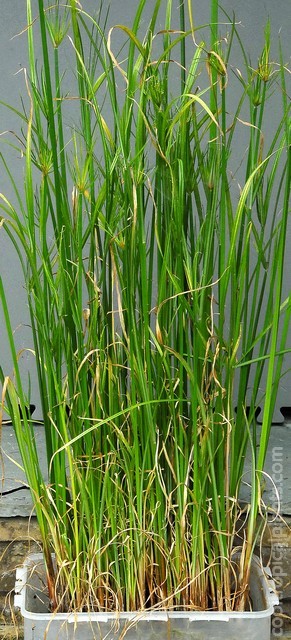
146, 271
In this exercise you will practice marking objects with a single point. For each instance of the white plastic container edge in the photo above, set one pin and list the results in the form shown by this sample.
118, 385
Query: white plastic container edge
267, 584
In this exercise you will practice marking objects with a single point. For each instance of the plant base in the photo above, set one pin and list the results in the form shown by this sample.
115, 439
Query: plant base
39, 624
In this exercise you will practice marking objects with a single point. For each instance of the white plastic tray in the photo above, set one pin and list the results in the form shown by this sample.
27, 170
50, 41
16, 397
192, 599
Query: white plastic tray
149, 625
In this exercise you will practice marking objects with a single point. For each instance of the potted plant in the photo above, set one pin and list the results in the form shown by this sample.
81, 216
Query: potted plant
146, 269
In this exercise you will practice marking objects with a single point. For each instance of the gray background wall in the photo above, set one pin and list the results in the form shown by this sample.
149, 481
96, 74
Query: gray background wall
252, 15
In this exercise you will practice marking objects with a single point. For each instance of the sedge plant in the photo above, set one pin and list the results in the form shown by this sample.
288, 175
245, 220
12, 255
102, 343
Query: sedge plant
154, 286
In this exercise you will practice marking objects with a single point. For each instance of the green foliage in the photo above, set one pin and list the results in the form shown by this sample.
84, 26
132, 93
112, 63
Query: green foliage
146, 270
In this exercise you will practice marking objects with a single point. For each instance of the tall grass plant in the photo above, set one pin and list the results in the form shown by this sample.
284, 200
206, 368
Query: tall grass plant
154, 286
